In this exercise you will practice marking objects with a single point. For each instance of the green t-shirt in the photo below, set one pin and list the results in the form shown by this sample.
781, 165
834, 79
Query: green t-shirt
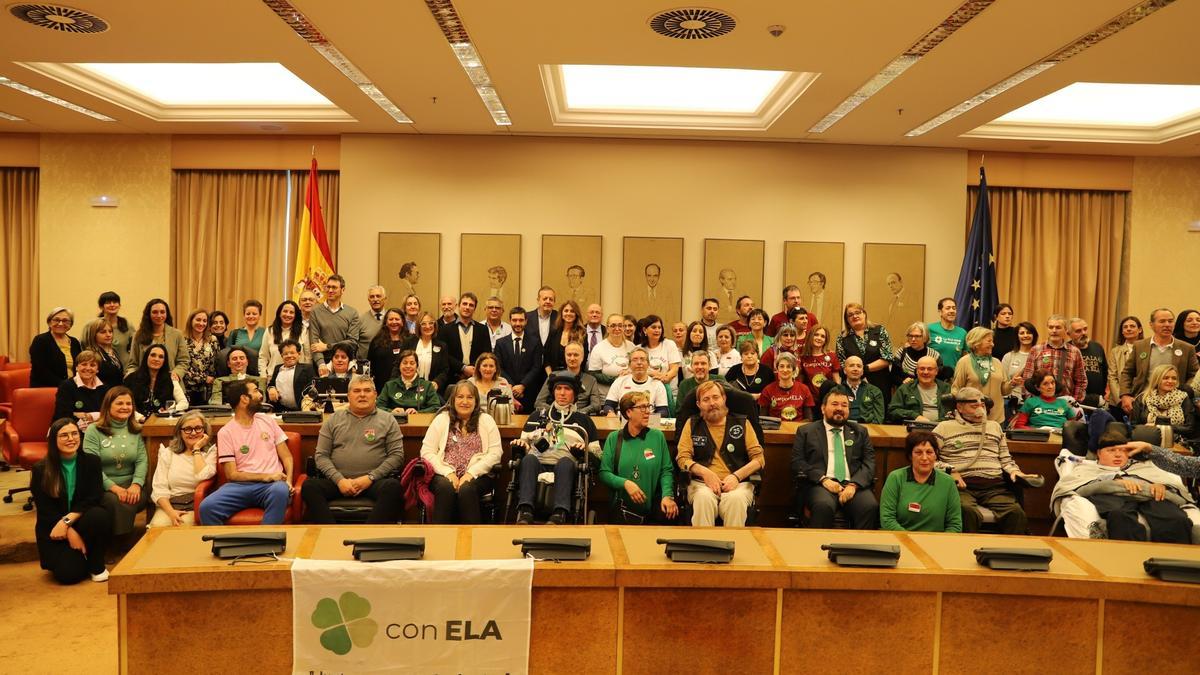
1043, 413
951, 344
645, 460
933, 506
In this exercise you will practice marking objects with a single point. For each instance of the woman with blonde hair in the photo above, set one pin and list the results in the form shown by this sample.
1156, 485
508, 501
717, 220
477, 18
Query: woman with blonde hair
99, 337
189, 458
870, 342
1165, 404
979, 369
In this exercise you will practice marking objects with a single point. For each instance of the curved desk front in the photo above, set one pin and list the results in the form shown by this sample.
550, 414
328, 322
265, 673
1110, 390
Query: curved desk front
780, 607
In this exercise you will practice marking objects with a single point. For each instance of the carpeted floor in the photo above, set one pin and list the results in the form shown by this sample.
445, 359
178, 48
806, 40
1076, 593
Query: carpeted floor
55, 629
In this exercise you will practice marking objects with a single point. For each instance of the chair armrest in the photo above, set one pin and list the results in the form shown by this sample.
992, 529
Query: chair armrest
5, 410
203, 489
9, 443
297, 509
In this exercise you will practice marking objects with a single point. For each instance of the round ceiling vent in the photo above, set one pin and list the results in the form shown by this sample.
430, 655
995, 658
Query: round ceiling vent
692, 23
65, 19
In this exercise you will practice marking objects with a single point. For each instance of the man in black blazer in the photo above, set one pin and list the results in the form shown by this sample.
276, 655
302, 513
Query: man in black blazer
520, 358
834, 465
539, 323
287, 393
462, 362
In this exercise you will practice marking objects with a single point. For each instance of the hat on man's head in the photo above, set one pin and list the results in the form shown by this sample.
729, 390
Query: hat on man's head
968, 394
564, 377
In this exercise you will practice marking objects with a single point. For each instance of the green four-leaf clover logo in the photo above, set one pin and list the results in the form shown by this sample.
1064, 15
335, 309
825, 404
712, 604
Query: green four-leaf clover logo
346, 623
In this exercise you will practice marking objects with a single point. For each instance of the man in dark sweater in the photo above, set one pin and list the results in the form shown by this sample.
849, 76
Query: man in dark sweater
1095, 362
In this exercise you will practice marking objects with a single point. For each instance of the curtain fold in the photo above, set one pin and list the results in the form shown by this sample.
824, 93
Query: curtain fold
1061, 251
19, 320
227, 240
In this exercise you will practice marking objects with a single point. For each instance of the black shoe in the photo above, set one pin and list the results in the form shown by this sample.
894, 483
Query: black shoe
524, 516
557, 518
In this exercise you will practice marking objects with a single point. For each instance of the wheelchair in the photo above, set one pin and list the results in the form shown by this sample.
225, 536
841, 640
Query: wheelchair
586, 467
738, 403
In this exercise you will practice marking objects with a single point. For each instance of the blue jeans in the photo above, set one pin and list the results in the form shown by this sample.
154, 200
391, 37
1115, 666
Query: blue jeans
564, 481
230, 498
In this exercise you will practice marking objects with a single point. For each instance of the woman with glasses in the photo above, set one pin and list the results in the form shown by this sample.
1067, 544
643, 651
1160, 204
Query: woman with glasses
916, 347
433, 361
190, 458
636, 466
53, 353
72, 528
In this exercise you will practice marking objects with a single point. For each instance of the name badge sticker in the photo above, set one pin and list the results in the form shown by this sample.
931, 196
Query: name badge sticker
915, 507
874, 343
1178, 352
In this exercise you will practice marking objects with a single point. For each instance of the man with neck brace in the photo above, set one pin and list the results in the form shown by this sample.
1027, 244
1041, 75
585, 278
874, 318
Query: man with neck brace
549, 436
1102, 498
975, 452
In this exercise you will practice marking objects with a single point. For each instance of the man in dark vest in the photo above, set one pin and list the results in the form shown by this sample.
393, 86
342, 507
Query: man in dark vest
719, 468
834, 465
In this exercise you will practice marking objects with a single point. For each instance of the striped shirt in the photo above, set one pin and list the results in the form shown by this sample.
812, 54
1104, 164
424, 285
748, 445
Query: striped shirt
972, 450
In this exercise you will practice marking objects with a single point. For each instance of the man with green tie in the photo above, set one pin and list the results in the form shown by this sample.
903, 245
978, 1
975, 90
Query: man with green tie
834, 465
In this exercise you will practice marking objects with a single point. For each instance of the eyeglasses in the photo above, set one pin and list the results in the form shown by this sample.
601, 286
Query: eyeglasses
913, 336
192, 430
66, 321
645, 407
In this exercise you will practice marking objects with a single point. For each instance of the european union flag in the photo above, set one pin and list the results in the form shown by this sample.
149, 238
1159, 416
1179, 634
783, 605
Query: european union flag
976, 292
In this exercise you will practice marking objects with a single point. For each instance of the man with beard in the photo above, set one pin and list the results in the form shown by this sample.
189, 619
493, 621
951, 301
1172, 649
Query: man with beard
975, 452
719, 469
252, 451
834, 462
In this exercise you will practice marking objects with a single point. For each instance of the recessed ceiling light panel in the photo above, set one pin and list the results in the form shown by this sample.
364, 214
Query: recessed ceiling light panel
10, 118
62, 19
446, 16
1119, 23
49, 98
692, 23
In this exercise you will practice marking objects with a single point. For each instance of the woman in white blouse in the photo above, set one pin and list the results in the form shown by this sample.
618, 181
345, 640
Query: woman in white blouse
189, 458
664, 354
727, 356
462, 445
287, 326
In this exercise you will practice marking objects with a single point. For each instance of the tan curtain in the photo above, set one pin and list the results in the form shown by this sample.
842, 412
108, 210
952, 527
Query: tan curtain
19, 320
327, 187
227, 240
1061, 251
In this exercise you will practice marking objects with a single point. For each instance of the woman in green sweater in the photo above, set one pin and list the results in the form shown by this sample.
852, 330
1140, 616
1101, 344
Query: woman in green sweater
917, 497
408, 392
117, 440
636, 466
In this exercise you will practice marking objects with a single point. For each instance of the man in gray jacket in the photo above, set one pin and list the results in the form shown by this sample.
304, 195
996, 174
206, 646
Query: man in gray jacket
359, 450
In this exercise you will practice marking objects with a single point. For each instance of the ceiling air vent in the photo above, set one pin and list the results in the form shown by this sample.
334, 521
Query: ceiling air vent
692, 23
65, 19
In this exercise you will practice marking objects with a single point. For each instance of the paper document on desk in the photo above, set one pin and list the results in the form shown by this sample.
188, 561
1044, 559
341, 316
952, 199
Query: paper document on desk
451, 616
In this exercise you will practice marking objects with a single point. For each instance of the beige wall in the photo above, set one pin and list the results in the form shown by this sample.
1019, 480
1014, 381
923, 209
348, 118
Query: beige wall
1163, 254
85, 250
534, 186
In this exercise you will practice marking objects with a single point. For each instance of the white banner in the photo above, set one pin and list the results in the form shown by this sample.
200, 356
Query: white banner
453, 616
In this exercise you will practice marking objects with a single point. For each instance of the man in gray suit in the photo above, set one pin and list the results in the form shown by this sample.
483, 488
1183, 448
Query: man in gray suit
834, 465
372, 319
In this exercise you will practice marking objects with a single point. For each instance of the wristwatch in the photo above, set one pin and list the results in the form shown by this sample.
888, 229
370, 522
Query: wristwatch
66, 520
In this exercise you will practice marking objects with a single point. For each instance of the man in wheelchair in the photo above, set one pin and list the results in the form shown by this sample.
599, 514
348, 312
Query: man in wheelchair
720, 467
1103, 498
554, 439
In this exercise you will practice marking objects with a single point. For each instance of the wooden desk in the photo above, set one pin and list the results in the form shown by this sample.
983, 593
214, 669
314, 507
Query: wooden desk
781, 606
777, 496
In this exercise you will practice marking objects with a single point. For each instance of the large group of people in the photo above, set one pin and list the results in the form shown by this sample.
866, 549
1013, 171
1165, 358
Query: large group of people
562, 364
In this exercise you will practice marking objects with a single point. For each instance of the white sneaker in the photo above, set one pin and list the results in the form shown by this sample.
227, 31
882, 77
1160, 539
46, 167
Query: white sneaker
102, 576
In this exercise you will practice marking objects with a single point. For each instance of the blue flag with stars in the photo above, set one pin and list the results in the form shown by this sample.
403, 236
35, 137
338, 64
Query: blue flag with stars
976, 292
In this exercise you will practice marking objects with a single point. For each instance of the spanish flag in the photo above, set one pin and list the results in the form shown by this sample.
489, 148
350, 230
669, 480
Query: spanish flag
314, 264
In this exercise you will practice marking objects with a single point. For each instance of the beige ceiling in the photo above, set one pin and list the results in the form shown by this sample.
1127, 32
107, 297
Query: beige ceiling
399, 47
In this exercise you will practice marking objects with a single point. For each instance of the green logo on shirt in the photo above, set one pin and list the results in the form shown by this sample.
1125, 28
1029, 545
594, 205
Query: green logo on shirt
245, 449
